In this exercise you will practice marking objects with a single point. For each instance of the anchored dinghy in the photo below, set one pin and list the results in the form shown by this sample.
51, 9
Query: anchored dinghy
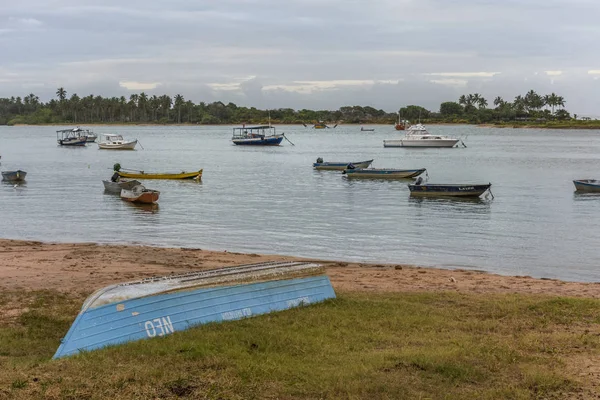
163, 305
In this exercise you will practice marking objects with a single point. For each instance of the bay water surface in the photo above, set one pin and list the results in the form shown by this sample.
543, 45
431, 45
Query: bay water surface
270, 200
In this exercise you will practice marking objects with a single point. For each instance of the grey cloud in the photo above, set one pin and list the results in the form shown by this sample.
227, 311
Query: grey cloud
186, 45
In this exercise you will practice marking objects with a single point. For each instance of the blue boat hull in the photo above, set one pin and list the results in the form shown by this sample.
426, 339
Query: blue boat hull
587, 185
14, 176
163, 314
448, 190
267, 141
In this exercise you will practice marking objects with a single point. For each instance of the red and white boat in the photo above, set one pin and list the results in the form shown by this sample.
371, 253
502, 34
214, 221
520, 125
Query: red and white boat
139, 194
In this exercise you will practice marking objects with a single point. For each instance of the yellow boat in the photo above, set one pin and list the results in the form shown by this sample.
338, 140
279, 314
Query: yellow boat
145, 175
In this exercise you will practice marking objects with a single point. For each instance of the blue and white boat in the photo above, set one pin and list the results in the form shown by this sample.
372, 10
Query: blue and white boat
14, 176
382, 173
587, 185
339, 166
160, 306
71, 137
264, 135
458, 190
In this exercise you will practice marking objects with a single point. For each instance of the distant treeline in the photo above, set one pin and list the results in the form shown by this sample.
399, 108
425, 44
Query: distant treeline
141, 108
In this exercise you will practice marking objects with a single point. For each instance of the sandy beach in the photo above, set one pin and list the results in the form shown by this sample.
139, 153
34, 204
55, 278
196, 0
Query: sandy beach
85, 267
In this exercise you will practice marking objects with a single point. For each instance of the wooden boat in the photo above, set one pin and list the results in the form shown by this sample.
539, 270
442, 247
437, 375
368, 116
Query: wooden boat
145, 175
587, 185
116, 142
339, 166
159, 306
116, 187
139, 194
367, 129
14, 176
382, 173
320, 125
459, 190
264, 135
71, 137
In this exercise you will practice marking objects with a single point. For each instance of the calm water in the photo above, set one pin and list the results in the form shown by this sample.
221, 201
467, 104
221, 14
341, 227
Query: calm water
269, 200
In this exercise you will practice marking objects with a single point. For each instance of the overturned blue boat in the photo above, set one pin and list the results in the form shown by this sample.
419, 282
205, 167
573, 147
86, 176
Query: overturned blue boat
160, 306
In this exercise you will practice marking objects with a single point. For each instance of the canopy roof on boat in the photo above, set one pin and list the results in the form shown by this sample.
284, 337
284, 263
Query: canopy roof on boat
255, 127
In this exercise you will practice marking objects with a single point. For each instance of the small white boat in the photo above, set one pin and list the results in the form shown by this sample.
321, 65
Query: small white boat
139, 194
417, 136
116, 142
116, 187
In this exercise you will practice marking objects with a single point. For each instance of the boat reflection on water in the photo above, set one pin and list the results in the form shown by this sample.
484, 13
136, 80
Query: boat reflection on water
144, 208
463, 205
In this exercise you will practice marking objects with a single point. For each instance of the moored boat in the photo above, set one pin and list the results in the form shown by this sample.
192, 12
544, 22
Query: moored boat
363, 129
587, 185
458, 190
72, 137
155, 307
90, 137
264, 135
14, 176
339, 166
382, 173
139, 194
417, 136
116, 142
116, 187
134, 174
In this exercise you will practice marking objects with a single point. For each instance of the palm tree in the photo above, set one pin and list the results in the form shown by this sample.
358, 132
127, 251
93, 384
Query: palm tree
133, 103
142, 103
61, 93
462, 100
482, 103
498, 102
74, 105
178, 103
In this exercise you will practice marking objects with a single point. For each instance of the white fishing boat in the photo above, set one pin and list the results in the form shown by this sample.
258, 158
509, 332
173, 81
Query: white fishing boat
417, 136
116, 142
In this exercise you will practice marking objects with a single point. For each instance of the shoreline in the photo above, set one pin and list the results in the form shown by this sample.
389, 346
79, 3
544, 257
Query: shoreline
575, 126
85, 267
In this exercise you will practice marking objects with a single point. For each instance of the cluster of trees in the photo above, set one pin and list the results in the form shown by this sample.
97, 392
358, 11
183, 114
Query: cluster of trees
532, 106
141, 108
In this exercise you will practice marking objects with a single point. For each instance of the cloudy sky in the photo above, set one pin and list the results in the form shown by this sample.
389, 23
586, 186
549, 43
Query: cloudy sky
304, 53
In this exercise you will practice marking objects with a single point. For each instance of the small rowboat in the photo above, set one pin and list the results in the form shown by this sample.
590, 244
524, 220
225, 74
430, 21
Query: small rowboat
116, 187
383, 173
139, 194
14, 176
459, 190
587, 185
339, 166
367, 129
145, 175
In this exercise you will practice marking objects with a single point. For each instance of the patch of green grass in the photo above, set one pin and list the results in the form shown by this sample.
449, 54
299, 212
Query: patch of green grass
360, 345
